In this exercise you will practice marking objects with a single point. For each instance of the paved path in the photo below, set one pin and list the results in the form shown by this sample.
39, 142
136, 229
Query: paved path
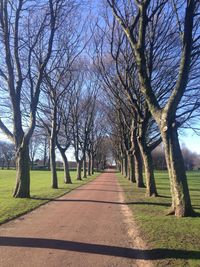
88, 227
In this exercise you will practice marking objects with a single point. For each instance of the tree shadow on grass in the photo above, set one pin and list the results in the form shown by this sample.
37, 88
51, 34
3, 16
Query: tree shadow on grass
197, 214
194, 190
148, 254
163, 196
149, 203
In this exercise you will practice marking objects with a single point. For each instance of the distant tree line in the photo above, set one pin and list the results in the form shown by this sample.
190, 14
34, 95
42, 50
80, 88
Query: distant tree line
7, 155
191, 159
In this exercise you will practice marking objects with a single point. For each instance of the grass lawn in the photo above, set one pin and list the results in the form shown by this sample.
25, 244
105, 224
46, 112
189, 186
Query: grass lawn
175, 241
40, 189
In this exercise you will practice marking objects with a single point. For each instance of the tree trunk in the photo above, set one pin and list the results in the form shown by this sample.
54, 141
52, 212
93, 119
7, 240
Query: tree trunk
131, 171
22, 188
128, 166
89, 164
67, 177
122, 165
49, 164
181, 203
119, 165
32, 164
151, 190
138, 169
53, 164
97, 165
125, 166
84, 167
8, 165
79, 166
45, 152
92, 163
131, 168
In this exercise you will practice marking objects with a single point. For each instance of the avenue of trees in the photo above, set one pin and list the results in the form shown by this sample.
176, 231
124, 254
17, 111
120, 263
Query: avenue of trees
118, 87
45, 86
152, 75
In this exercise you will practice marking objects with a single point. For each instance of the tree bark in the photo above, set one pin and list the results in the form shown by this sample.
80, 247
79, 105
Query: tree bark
67, 177
84, 167
131, 168
119, 165
122, 165
89, 164
136, 155
22, 187
181, 202
138, 169
131, 171
151, 190
125, 166
92, 163
128, 166
45, 152
53, 163
48, 163
32, 164
79, 166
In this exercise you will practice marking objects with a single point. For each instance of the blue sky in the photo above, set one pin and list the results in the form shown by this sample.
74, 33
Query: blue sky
188, 138
191, 140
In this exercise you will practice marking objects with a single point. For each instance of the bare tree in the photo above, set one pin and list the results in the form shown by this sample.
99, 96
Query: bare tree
58, 80
82, 119
64, 136
7, 151
163, 21
27, 34
33, 148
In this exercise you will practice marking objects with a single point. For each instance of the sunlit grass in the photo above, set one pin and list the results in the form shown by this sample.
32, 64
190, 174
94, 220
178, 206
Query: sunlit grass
40, 188
167, 232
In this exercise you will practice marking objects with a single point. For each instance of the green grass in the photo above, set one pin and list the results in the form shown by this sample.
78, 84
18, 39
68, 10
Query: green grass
40, 189
176, 240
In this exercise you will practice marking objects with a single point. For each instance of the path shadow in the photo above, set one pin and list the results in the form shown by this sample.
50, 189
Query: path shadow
78, 200
102, 202
151, 254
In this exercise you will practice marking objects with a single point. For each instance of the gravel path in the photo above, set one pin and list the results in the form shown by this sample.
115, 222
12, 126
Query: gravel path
88, 227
